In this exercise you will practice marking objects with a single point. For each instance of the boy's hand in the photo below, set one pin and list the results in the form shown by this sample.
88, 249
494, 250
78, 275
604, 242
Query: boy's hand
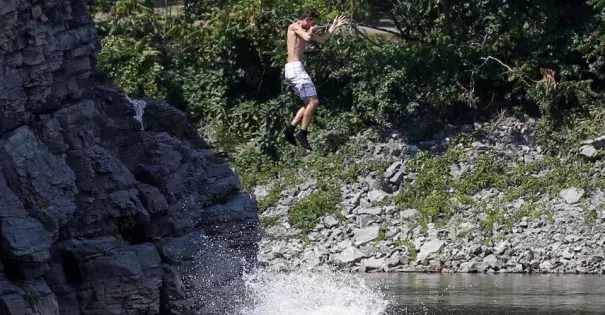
338, 22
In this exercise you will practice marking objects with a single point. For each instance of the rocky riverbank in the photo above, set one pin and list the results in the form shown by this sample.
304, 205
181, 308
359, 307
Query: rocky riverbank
482, 199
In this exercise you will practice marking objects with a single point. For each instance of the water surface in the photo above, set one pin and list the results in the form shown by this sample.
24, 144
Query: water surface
477, 294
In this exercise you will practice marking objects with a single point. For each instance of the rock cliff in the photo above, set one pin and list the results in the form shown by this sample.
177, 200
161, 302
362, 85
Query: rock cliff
105, 208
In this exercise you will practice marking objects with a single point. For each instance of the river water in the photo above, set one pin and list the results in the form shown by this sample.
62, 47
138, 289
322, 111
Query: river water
477, 294
335, 293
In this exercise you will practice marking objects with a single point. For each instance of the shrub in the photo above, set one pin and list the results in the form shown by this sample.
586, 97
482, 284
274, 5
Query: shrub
306, 212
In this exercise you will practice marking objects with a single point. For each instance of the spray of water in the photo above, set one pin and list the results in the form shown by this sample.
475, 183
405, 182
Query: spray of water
139, 108
310, 293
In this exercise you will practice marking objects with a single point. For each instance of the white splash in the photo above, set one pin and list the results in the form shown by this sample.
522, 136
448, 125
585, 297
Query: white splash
139, 108
310, 293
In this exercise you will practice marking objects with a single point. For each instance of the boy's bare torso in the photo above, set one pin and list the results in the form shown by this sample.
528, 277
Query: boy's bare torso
296, 45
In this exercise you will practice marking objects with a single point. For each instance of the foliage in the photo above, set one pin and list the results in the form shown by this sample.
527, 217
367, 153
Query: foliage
222, 62
306, 212
269, 221
134, 66
270, 200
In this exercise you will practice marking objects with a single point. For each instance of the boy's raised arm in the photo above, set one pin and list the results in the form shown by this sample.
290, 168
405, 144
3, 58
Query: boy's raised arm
322, 39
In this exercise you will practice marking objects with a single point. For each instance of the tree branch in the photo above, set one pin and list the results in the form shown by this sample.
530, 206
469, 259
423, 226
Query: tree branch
496, 59
405, 35
402, 35
366, 37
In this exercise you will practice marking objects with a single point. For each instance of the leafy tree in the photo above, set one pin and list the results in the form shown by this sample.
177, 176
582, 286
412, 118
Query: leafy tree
222, 62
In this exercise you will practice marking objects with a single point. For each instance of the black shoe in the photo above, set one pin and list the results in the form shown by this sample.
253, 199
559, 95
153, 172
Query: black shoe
302, 139
289, 133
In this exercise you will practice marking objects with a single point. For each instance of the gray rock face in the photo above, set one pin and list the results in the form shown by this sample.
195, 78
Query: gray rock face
98, 215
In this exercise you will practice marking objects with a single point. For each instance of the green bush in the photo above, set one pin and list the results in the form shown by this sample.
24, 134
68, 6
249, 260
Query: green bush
133, 65
306, 212
222, 62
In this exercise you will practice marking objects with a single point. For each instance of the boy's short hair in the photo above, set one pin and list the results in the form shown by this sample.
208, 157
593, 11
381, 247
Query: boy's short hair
309, 13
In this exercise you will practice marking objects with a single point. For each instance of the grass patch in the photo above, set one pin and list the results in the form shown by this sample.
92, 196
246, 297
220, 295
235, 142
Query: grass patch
306, 212
266, 222
304, 238
524, 211
494, 216
271, 199
382, 232
429, 191
490, 241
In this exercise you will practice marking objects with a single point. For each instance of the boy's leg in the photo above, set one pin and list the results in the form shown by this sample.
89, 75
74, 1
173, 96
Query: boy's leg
299, 116
309, 111
312, 104
289, 130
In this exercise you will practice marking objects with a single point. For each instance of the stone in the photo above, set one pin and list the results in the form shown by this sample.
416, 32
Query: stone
545, 266
588, 151
408, 214
36, 11
45, 183
482, 267
331, 222
475, 250
501, 248
435, 265
152, 199
373, 263
12, 304
397, 178
428, 248
393, 169
567, 254
468, 267
365, 235
493, 262
363, 221
394, 259
261, 192
457, 170
375, 211
177, 251
376, 196
464, 229
572, 195
25, 241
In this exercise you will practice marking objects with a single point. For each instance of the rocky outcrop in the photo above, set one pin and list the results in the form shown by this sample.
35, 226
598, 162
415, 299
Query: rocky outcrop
496, 229
101, 212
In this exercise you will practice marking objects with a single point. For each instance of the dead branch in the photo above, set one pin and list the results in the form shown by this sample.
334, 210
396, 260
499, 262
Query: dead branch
496, 59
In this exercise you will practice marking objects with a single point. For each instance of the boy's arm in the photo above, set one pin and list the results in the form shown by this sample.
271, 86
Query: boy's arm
322, 39
306, 36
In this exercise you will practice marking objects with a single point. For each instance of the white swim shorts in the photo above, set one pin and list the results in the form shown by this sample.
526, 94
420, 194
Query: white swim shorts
299, 80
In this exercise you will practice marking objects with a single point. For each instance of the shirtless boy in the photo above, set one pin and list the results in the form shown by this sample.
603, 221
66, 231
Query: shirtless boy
299, 34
